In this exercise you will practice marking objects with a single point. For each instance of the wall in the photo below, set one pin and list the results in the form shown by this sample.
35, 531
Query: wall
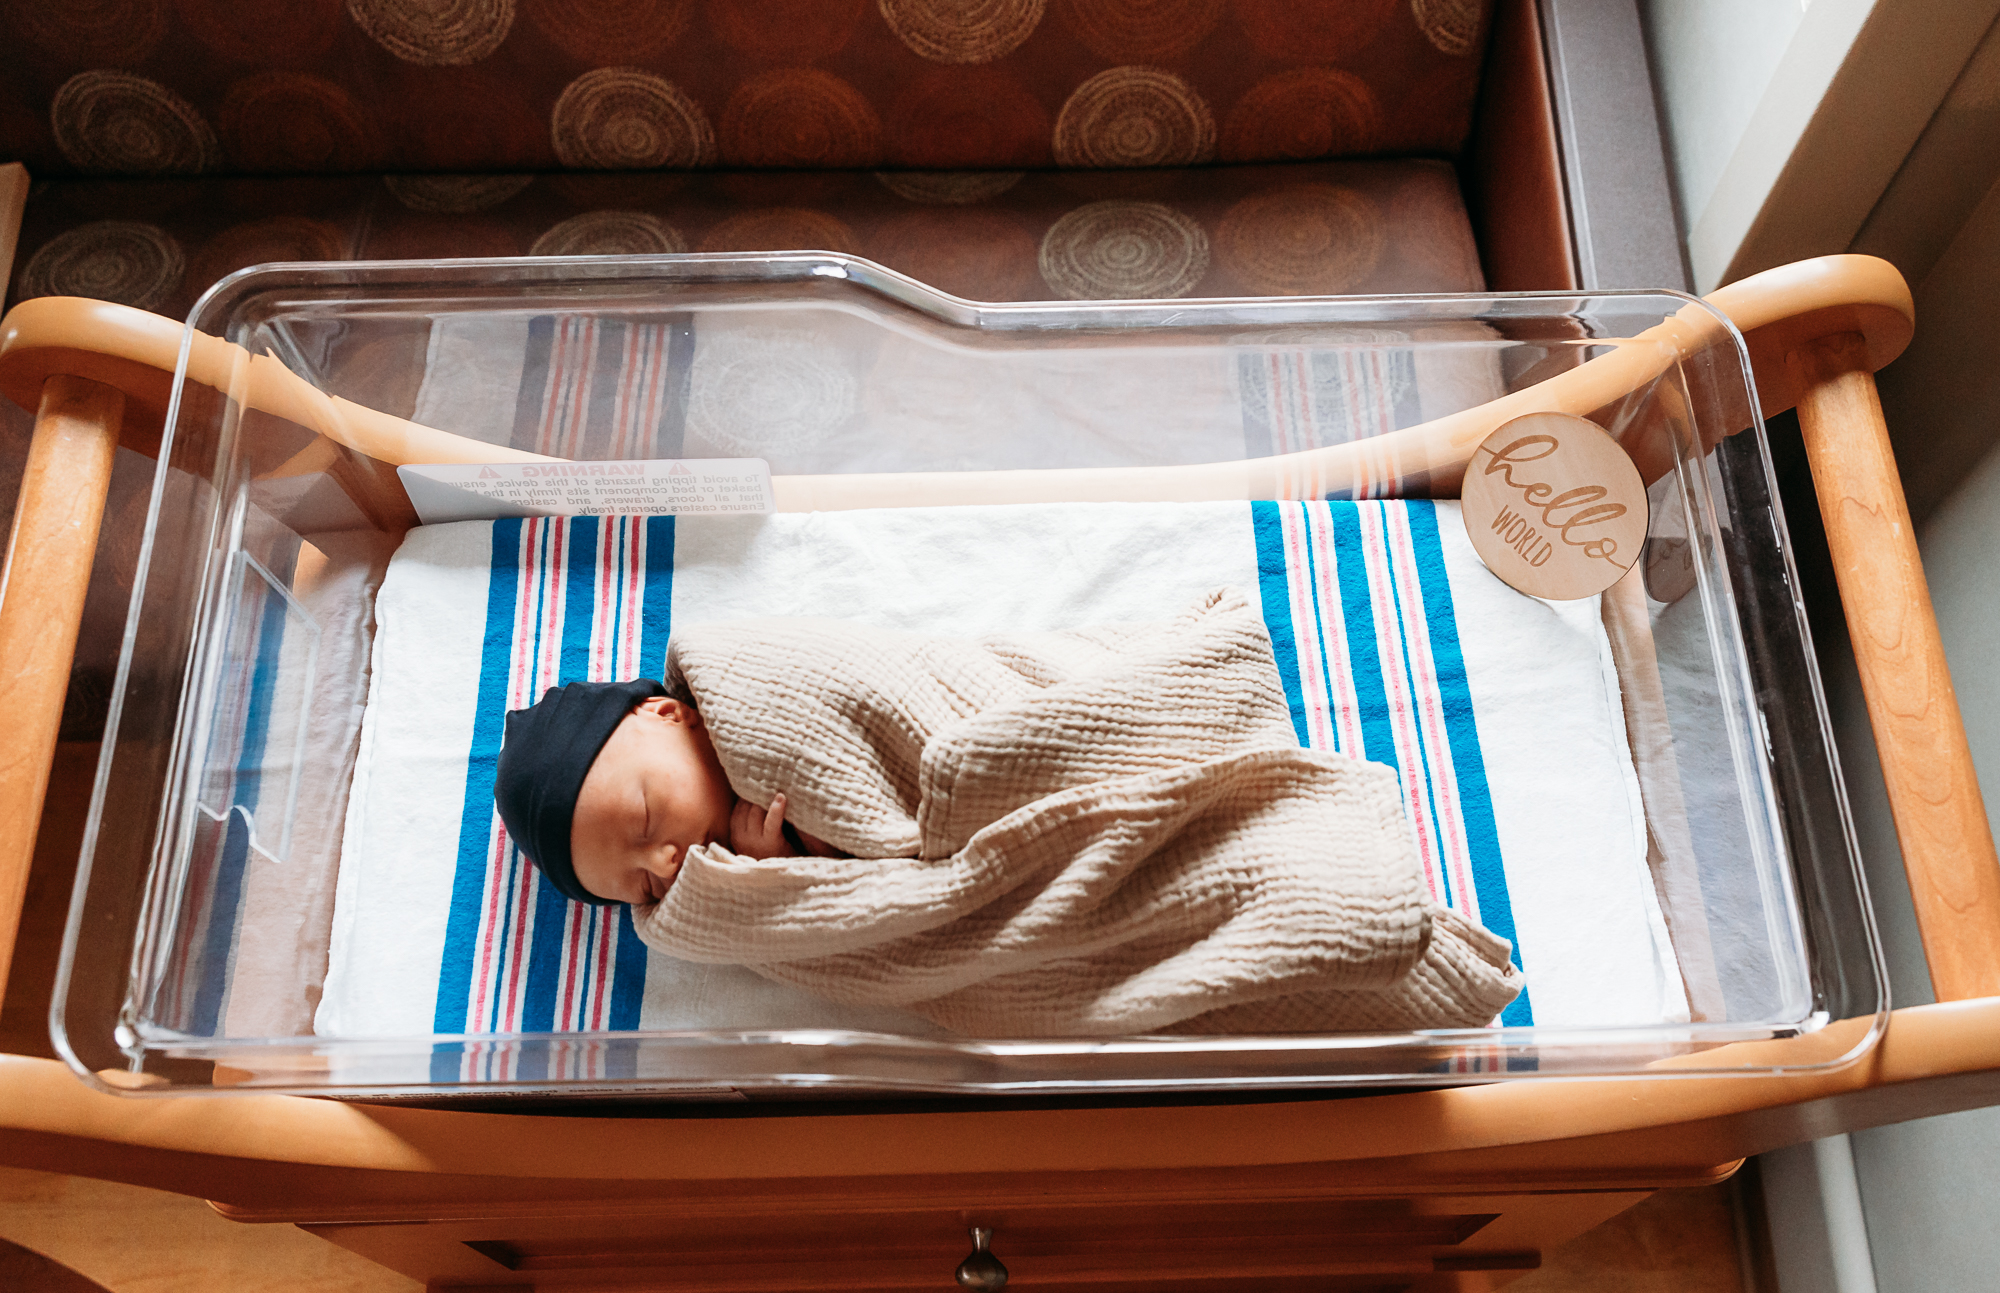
1930, 1190
1787, 126
1712, 60
1874, 127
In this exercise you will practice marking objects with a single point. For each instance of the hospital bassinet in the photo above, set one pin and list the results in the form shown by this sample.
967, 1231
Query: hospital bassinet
300, 388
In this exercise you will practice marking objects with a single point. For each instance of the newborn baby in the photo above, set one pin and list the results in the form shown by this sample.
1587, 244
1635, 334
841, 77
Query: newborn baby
1101, 832
607, 785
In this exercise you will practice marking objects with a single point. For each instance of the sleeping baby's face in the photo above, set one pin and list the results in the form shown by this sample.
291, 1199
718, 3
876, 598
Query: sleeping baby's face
655, 791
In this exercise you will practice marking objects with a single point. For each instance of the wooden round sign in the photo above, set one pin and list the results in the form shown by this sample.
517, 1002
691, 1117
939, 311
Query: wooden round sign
1554, 507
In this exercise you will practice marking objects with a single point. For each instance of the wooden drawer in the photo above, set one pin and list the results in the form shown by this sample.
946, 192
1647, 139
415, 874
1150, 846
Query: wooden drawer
1115, 1242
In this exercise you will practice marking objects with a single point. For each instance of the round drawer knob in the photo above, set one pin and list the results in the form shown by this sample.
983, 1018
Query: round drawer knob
981, 1271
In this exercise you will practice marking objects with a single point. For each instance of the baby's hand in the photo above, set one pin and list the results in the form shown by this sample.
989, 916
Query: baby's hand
757, 833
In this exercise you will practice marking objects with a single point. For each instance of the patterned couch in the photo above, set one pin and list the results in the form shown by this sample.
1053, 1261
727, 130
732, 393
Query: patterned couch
1000, 149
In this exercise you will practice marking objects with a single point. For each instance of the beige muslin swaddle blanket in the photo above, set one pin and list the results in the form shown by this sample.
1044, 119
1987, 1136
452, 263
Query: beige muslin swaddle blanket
1099, 832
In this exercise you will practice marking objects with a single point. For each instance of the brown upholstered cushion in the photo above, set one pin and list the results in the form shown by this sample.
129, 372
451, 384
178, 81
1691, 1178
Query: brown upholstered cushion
135, 87
1319, 227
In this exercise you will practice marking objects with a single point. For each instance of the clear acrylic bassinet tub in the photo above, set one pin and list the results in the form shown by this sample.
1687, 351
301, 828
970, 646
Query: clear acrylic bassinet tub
197, 946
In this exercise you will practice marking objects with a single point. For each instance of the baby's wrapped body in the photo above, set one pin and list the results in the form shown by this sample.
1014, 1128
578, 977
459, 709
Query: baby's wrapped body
1099, 832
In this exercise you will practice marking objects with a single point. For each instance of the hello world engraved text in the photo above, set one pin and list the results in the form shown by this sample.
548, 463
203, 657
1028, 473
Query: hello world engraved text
1581, 506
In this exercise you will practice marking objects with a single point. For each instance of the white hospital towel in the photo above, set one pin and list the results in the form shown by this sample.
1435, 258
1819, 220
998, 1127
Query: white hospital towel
1501, 712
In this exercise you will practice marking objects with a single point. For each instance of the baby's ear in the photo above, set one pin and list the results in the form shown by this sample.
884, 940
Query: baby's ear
667, 707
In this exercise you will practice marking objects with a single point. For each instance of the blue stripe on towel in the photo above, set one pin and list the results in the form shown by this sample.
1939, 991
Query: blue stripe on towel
1431, 765
607, 366
1389, 620
558, 946
672, 431
475, 829
219, 935
529, 397
447, 1061
1357, 610
659, 597
579, 591
1274, 588
1496, 910
628, 975
552, 915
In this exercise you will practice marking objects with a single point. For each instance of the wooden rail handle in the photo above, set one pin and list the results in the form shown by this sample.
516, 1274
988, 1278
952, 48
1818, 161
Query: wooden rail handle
1774, 310
1933, 791
41, 607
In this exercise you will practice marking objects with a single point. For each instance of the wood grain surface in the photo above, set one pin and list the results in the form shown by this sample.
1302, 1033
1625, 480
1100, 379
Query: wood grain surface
130, 1240
1439, 1244
13, 200
1934, 794
1677, 1241
41, 603
125, 1239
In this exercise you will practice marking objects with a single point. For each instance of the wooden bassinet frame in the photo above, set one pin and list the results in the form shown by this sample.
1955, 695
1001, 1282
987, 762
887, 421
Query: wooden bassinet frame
100, 375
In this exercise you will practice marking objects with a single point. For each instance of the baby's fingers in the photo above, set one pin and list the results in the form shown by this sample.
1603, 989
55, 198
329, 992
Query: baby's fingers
746, 828
771, 828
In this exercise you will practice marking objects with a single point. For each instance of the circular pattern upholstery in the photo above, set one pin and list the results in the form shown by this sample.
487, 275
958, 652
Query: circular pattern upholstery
1451, 26
454, 194
422, 237
1301, 239
450, 86
784, 31
1141, 31
982, 255
611, 31
614, 190
435, 33
610, 233
1332, 31
258, 241
768, 391
260, 32
120, 123
979, 116
622, 118
94, 31
962, 31
1120, 250
1434, 106
112, 260
1431, 235
1304, 113
1305, 227
288, 121
800, 116
781, 229
948, 188
469, 113
1134, 116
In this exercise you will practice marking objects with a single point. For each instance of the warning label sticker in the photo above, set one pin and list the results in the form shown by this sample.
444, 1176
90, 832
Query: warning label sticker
681, 486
